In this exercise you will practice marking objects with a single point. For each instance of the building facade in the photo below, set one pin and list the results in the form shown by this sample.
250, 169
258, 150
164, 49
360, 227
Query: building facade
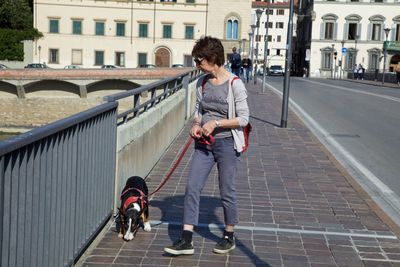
277, 15
129, 33
349, 32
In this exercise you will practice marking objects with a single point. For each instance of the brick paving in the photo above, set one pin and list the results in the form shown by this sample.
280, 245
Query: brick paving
296, 207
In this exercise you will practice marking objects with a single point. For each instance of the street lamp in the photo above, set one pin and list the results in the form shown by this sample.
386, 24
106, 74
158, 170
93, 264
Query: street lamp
258, 14
355, 49
387, 30
332, 65
253, 27
341, 59
265, 48
39, 48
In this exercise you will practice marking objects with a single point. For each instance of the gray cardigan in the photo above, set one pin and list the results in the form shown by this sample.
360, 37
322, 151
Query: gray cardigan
237, 107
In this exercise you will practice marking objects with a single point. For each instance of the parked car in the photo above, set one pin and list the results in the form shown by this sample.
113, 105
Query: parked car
147, 66
177, 65
2, 66
71, 67
276, 70
108, 67
36, 66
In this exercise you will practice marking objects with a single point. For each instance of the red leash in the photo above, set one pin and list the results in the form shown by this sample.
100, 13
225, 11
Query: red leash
188, 142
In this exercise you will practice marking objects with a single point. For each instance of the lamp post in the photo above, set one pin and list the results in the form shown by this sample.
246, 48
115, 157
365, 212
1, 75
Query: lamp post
265, 48
258, 14
253, 27
355, 49
332, 65
39, 48
288, 63
341, 59
244, 45
387, 30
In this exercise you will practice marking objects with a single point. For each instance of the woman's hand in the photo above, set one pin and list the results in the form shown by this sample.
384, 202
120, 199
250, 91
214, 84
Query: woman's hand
195, 131
209, 127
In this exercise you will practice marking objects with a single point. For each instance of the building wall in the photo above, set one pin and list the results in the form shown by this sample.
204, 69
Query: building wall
212, 13
389, 10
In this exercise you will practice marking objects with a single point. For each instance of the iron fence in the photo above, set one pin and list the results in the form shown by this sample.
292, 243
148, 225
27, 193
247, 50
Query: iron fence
56, 188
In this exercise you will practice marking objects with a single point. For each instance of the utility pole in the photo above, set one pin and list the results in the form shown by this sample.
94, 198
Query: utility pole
265, 49
288, 63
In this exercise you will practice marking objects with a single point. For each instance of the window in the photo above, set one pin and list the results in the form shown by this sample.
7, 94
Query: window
350, 59
99, 28
143, 30
397, 33
190, 1
189, 32
376, 32
168, 1
268, 52
280, 12
278, 52
232, 29
142, 59
167, 31
270, 25
373, 59
329, 27
98, 58
279, 25
375, 28
54, 26
188, 61
279, 38
329, 30
258, 38
76, 57
269, 38
53, 56
270, 11
326, 59
377, 1
352, 28
120, 31
352, 31
120, 59
76, 27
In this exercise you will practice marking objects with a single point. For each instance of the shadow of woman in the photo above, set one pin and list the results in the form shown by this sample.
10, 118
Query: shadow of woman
210, 224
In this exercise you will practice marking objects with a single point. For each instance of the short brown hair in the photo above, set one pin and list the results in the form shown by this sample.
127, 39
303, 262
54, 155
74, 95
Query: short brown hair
209, 48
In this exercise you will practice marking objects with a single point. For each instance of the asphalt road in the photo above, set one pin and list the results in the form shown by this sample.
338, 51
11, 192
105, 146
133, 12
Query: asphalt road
360, 125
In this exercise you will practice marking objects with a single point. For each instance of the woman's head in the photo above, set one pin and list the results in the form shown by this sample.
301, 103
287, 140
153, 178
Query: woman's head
210, 49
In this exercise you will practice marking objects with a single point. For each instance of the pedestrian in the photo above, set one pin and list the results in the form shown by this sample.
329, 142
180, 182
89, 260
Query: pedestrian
398, 73
360, 72
235, 61
221, 110
355, 72
246, 65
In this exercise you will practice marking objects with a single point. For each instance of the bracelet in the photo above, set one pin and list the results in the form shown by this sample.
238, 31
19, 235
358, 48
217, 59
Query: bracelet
217, 124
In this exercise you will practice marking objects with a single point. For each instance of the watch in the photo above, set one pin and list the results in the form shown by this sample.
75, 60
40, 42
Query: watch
217, 123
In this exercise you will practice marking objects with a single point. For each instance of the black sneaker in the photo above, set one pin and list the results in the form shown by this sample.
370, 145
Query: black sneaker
180, 247
225, 245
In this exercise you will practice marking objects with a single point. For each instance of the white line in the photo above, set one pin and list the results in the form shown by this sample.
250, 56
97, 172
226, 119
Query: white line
280, 230
354, 91
379, 260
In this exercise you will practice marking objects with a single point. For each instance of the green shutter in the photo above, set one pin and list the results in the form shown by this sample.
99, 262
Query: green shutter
167, 31
142, 59
99, 58
189, 30
77, 27
142, 30
120, 29
54, 26
99, 28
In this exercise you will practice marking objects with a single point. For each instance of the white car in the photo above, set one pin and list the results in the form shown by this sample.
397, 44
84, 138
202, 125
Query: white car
71, 67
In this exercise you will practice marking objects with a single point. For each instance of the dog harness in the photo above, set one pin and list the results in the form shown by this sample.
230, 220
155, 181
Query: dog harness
132, 199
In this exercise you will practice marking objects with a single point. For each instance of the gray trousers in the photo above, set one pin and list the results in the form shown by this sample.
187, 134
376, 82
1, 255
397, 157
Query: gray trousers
222, 153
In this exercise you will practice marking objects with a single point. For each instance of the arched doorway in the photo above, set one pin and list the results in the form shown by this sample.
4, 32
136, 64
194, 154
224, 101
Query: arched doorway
394, 60
163, 57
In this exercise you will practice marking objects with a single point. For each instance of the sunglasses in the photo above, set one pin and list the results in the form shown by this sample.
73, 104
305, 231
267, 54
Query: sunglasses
198, 60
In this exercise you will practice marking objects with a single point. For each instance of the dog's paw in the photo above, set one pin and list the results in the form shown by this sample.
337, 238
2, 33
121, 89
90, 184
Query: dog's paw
120, 235
147, 227
128, 236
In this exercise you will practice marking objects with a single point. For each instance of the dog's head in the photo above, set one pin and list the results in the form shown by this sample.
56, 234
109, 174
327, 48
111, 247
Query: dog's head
130, 221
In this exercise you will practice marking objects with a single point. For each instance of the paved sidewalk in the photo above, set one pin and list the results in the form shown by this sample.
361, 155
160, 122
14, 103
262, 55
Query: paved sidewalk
296, 207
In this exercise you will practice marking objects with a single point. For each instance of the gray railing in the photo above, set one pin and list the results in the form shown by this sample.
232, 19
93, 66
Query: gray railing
56, 188
154, 93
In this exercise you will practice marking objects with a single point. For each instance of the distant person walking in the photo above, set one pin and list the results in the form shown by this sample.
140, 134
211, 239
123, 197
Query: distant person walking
360, 72
236, 62
246, 65
355, 72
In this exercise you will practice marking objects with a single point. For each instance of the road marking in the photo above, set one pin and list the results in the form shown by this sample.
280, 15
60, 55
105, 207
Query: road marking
377, 190
396, 99
277, 230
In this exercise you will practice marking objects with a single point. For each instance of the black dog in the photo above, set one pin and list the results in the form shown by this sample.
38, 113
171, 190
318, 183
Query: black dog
134, 209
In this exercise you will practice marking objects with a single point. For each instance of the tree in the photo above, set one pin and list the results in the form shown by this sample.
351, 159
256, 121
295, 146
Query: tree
15, 14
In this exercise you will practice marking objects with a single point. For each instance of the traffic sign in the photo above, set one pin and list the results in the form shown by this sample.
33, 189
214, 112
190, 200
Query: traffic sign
344, 50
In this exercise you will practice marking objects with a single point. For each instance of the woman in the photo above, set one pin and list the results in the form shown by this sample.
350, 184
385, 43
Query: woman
222, 111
